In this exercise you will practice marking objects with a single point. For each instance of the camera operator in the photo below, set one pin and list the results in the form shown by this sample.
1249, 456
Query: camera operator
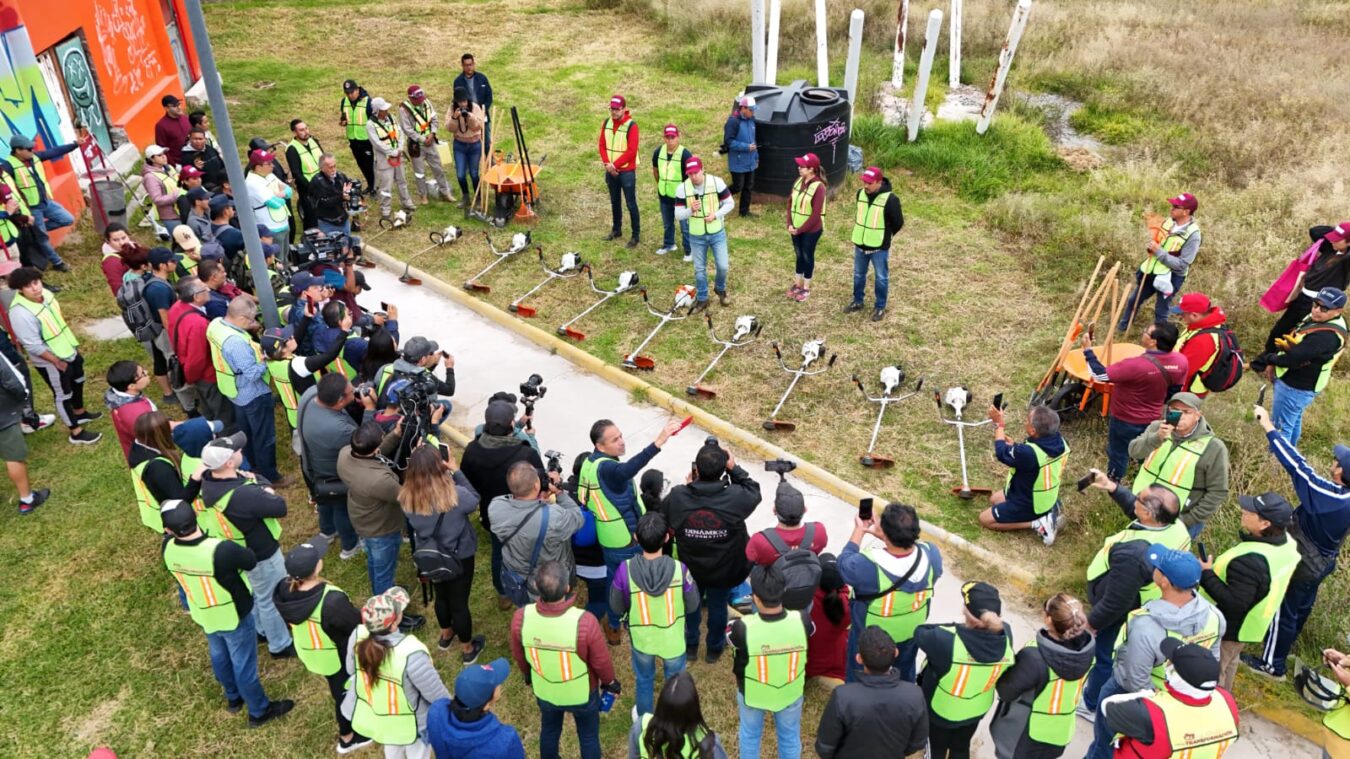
530, 515
707, 515
417, 362
522, 428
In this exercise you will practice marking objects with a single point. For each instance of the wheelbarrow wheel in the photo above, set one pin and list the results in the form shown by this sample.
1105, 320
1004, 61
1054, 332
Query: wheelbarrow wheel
1066, 398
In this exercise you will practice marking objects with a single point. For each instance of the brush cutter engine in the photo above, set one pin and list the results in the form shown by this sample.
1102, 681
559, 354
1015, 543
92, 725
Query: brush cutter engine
811, 351
744, 326
957, 398
570, 262
684, 297
445, 236
891, 378
627, 281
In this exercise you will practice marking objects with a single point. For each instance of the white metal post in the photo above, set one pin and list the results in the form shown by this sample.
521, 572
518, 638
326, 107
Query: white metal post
954, 54
1005, 59
757, 41
898, 59
771, 59
855, 29
925, 68
822, 47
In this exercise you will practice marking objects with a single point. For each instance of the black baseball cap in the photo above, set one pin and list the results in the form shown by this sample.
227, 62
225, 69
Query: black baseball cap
178, 516
788, 503
302, 560
1271, 507
350, 85
499, 417
981, 597
169, 100
1195, 664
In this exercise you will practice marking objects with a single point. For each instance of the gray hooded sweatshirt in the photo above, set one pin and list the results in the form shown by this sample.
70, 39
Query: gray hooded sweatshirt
422, 684
1139, 654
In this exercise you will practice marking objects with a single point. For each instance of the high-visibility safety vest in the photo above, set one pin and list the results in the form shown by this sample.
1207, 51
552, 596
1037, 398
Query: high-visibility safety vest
803, 196
616, 142
1336, 731
1197, 385
1045, 493
1202, 731
382, 709
706, 221
775, 676
1172, 465
382, 377
194, 567
421, 117
1336, 325
898, 612
215, 524
1281, 561
1173, 536
277, 213
53, 328
279, 370
386, 133
656, 623
357, 115
339, 365
314, 648
310, 151
1204, 638
145, 502
1052, 712
967, 690
1171, 243
610, 528
27, 179
217, 332
9, 231
869, 220
669, 171
558, 674
688, 751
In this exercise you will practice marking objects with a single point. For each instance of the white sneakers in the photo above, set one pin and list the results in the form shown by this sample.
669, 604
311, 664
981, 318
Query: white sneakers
1048, 526
664, 250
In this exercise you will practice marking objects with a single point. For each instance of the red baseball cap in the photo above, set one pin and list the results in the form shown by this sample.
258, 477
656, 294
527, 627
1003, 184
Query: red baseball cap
1184, 200
1193, 303
872, 174
416, 94
693, 164
1339, 232
809, 161
672, 130
189, 172
618, 102
260, 157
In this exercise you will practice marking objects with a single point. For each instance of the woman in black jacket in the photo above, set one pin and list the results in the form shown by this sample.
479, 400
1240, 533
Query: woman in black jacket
438, 499
1051, 670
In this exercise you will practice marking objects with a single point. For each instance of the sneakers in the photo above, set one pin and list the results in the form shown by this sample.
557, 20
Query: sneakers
878, 314
612, 236
688, 258
275, 710
169, 400
348, 553
357, 742
286, 653
85, 437
802, 295
1048, 526
39, 497
633, 243
234, 705
89, 416
1258, 666
853, 308
328, 536
43, 422
664, 249
713, 655
613, 635
1086, 713
504, 604
469, 657
792, 291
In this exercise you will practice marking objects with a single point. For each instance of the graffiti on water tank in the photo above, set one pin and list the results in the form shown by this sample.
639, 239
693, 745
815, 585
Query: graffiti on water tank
831, 132
83, 91
131, 59
25, 106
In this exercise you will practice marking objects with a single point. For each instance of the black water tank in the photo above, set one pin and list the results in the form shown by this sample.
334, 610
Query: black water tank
794, 120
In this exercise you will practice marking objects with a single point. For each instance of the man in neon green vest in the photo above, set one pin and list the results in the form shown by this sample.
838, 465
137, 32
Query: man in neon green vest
668, 171
353, 116
1188, 716
770, 666
705, 202
1301, 368
302, 158
1187, 458
608, 488
563, 656
618, 146
23, 170
1172, 250
877, 218
211, 573
1248, 581
1030, 499
1336, 724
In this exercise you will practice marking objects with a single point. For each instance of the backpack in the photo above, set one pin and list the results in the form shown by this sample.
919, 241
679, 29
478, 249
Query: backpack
800, 567
136, 313
1226, 369
434, 562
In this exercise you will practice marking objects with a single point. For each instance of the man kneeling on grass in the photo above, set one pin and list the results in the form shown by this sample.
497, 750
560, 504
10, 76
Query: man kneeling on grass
1030, 499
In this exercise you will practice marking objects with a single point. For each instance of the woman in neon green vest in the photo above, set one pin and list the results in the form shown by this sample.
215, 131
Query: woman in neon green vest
1037, 696
806, 221
160, 470
677, 725
964, 663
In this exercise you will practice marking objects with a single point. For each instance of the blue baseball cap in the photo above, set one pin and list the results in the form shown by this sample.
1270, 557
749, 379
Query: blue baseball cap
1181, 568
263, 231
1330, 297
302, 281
221, 201
271, 250
477, 682
160, 256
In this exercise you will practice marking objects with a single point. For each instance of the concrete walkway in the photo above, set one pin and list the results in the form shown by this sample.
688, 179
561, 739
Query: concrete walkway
490, 358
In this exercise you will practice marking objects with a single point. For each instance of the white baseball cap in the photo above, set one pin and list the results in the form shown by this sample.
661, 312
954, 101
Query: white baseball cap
153, 150
379, 104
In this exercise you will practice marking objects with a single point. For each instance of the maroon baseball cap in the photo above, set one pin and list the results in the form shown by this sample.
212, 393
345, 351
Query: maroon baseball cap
416, 94
618, 102
1339, 232
693, 164
1193, 303
872, 174
1184, 200
672, 131
260, 157
809, 161
189, 172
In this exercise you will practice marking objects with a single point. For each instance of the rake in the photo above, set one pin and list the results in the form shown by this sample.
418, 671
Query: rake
569, 267
627, 281
438, 239
812, 350
745, 327
519, 242
892, 377
684, 299
958, 398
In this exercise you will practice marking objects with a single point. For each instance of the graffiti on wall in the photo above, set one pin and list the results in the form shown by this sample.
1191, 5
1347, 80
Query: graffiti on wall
26, 107
129, 55
83, 90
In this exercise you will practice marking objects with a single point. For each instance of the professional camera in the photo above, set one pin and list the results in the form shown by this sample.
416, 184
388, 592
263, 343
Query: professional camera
780, 467
554, 461
355, 205
532, 390
712, 440
315, 246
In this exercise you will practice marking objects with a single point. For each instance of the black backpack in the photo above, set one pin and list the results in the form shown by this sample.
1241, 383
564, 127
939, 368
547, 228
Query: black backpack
433, 561
1226, 369
136, 313
800, 567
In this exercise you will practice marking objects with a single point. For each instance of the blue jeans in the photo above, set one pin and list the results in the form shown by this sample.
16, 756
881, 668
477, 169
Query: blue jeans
715, 600
1161, 307
333, 518
1286, 412
699, 245
1101, 667
264, 578
597, 596
787, 723
1118, 437
881, 265
587, 718
625, 183
906, 658
234, 660
466, 163
1103, 736
613, 558
382, 560
47, 216
644, 677
668, 225
1294, 612
258, 421
804, 245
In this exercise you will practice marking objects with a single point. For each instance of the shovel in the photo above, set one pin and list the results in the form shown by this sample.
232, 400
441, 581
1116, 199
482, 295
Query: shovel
627, 281
438, 238
812, 350
892, 377
746, 327
958, 398
684, 299
569, 267
519, 242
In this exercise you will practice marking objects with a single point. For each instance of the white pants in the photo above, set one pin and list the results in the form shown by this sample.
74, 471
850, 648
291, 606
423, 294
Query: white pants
430, 158
416, 750
386, 179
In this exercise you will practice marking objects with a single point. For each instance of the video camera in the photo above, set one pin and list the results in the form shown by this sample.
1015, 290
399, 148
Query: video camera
316, 247
553, 459
780, 467
355, 202
531, 391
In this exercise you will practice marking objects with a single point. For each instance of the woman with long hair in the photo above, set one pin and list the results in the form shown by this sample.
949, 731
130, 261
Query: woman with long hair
827, 647
676, 729
381, 351
806, 221
1038, 695
438, 500
159, 469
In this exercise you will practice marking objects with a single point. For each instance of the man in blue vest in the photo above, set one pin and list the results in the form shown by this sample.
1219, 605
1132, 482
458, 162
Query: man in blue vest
24, 167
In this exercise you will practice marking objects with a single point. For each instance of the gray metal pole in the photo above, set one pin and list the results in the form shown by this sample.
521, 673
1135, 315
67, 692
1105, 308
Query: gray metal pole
229, 151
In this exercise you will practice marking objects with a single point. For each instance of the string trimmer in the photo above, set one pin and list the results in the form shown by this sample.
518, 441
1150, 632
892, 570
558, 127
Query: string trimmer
684, 299
892, 377
569, 267
398, 220
958, 398
519, 242
438, 238
812, 350
745, 327
627, 281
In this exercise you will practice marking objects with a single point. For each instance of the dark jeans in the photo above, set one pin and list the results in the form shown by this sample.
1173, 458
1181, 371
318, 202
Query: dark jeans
587, 718
466, 164
333, 518
337, 686
715, 601
1102, 734
742, 183
626, 183
950, 742
1289, 320
1101, 667
906, 657
234, 660
452, 603
613, 558
382, 560
213, 405
1161, 307
1118, 437
597, 596
365, 160
257, 420
668, 225
497, 564
804, 245
1294, 612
